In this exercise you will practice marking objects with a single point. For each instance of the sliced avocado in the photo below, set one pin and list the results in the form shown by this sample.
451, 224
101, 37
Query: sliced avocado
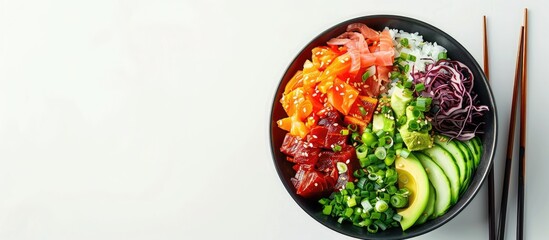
383, 122
412, 175
430, 209
400, 100
415, 140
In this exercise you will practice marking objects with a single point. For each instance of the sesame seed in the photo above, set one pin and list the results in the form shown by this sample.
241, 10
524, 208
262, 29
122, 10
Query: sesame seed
316, 184
335, 124
314, 136
337, 88
342, 93
348, 161
351, 96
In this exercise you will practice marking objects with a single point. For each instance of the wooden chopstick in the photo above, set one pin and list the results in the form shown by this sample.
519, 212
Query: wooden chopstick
522, 149
510, 140
491, 198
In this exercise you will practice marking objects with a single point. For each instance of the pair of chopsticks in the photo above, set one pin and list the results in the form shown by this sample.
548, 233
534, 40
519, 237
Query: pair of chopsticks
520, 81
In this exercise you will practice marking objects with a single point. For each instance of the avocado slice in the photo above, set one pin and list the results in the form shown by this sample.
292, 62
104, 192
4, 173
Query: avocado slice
412, 175
383, 122
399, 100
414, 140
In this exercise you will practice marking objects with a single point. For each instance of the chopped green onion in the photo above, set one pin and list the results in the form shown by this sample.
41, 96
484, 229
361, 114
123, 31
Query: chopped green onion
390, 158
350, 186
380, 153
404, 42
348, 212
413, 125
372, 228
401, 120
365, 76
323, 201
340, 220
363, 111
411, 58
399, 201
362, 151
352, 127
381, 206
355, 136
364, 161
397, 217
404, 55
366, 205
420, 106
344, 132
375, 215
407, 84
398, 138
361, 181
442, 55
341, 167
366, 222
392, 190
407, 69
380, 133
420, 87
372, 176
351, 202
404, 152
372, 157
336, 148
327, 210
416, 112
394, 75
403, 192
380, 224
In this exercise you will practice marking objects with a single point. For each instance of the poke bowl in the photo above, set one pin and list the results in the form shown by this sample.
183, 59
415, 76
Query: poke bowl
322, 126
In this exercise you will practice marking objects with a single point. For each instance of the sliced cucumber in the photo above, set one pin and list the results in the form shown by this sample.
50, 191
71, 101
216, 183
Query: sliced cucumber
440, 183
459, 157
445, 161
474, 150
469, 164
430, 208
477, 143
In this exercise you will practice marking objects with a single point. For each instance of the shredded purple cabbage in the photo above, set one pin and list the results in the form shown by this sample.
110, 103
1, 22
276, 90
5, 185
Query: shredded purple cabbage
456, 110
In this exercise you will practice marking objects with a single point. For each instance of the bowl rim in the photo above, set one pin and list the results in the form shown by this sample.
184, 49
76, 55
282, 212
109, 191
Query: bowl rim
480, 176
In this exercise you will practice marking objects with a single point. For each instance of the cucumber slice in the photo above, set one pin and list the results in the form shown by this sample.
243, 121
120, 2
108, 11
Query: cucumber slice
445, 161
477, 143
430, 209
453, 149
469, 164
476, 154
440, 183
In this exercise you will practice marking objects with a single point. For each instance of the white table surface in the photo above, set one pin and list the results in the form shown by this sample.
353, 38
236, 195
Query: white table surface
149, 119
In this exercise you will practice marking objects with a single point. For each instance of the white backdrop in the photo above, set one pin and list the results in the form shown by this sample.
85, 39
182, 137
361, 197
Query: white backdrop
149, 119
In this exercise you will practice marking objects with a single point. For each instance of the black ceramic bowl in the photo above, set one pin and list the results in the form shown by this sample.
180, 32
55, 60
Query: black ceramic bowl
455, 51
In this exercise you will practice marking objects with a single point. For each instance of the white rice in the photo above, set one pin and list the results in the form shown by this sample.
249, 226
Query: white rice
425, 52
